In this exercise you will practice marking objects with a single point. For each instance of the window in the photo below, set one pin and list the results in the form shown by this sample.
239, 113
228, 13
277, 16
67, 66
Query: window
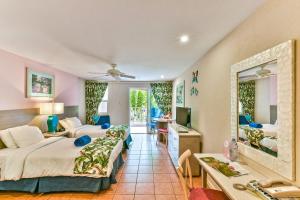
104, 103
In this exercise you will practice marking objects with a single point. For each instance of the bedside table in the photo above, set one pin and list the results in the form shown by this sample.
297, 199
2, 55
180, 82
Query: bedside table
56, 134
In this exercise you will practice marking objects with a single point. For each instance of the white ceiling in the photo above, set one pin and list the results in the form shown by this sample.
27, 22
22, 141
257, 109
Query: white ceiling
141, 36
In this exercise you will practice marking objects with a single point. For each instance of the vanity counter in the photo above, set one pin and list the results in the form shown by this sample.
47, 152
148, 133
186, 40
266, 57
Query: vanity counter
214, 179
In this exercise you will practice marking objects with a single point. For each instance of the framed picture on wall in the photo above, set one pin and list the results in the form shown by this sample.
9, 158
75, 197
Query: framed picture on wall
180, 93
39, 84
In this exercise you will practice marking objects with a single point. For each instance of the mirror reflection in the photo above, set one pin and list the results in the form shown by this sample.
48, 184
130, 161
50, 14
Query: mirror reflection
258, 107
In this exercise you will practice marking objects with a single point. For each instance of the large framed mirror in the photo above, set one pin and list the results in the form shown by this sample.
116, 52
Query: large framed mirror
263, 108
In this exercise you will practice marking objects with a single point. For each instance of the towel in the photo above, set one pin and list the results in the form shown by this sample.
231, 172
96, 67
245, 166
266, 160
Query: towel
255, 125
83, 140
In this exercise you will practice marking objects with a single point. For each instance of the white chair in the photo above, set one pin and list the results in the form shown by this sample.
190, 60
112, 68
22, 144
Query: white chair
186, 180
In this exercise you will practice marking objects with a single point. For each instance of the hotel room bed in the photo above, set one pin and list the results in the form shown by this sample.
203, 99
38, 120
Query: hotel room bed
48, 166
269, 141
76, 129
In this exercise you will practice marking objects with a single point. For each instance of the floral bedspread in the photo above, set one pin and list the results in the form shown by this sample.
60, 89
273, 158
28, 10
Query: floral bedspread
117, 131
254, 135
94, 157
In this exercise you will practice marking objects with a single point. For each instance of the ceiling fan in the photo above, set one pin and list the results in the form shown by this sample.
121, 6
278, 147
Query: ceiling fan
114, 73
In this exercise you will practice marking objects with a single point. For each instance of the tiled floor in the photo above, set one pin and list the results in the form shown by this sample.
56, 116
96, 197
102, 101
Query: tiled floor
147, 174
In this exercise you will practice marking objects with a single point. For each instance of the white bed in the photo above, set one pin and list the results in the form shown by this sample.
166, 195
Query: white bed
90, 130
49, 157
268, 129
270, 133
76, 129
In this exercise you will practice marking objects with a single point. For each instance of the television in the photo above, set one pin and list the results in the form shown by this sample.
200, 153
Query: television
183, 116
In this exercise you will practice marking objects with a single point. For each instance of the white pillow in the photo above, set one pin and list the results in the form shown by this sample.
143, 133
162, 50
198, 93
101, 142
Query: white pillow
7, 139
73, 122
26, 135
64, 124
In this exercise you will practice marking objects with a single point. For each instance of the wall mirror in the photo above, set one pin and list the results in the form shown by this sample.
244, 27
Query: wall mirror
262, 108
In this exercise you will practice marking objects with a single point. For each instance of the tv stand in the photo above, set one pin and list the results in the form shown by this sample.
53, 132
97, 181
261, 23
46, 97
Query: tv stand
179, 140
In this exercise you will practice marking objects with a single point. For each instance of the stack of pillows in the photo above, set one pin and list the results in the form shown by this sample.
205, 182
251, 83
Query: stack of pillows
16, 137
70, 123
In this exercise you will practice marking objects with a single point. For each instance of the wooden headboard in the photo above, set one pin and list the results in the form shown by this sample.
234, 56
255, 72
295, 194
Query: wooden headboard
12, 118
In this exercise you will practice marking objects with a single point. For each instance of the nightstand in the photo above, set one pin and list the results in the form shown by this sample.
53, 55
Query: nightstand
56, 134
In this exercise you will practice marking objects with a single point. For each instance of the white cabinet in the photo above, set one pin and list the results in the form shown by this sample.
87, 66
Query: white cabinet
179, 142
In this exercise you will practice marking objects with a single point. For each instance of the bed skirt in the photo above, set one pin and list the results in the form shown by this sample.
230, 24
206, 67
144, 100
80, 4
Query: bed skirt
63, 183
127, 142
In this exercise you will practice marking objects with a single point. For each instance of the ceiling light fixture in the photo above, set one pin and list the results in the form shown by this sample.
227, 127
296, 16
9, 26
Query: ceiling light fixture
162, 76
184, 38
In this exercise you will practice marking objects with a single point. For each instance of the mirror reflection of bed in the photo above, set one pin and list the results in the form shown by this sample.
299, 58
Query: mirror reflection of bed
257, 89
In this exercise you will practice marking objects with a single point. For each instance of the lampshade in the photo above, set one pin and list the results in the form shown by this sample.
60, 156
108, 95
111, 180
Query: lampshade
58, 108
51, 108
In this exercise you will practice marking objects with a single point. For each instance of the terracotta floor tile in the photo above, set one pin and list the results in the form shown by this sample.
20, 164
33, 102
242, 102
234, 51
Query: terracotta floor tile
123, 197
145, 170
163, 188
146, 157
128, 178
133, 157
145, 152
145, 178
134, 152
82, 196
180, 197
160, 170
177, 188
165, 197
132, 162
145, 162
103, 197
144, 197
174, 178
131, 169
162, 178
144, 188
125, 188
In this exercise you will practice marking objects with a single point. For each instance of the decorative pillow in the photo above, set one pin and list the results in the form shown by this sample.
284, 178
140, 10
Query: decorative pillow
73, 122
26, 135
105, 126
64, 124
243, 120
7, 139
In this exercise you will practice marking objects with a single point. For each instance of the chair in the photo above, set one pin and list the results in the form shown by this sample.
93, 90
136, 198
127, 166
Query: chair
191, 193
164, 133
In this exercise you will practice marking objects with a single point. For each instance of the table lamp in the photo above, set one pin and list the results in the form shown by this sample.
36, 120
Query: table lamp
52, 109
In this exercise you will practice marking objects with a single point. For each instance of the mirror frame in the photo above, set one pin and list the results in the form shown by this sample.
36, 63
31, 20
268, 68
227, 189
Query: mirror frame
284, 54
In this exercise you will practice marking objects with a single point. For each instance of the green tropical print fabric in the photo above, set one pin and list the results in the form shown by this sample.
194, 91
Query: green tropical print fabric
247, 97
254, 135
162, 93
94, 92
117, 131
94, 157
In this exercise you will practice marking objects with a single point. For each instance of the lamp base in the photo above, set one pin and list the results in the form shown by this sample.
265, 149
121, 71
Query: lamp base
52, 123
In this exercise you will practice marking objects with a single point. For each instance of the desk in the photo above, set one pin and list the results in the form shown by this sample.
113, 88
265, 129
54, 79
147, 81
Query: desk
226, 183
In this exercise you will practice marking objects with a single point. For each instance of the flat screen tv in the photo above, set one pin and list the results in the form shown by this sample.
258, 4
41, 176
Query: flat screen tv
183, 116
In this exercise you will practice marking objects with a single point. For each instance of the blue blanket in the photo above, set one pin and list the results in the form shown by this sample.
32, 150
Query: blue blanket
83, 140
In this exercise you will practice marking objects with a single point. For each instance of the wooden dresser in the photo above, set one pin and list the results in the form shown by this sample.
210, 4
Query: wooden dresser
178, 142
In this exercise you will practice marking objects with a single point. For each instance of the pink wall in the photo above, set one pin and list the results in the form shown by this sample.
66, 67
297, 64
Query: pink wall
13, 83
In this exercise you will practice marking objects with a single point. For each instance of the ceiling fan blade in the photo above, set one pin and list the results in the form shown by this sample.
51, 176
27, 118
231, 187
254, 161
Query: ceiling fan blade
97, 73
127, 76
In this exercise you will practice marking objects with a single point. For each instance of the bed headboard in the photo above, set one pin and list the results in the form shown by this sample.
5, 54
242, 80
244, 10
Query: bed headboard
19, 117
273, 114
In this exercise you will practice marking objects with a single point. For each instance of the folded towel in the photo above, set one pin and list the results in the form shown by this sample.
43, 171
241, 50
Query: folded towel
255, 125
105, 126
83, 140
